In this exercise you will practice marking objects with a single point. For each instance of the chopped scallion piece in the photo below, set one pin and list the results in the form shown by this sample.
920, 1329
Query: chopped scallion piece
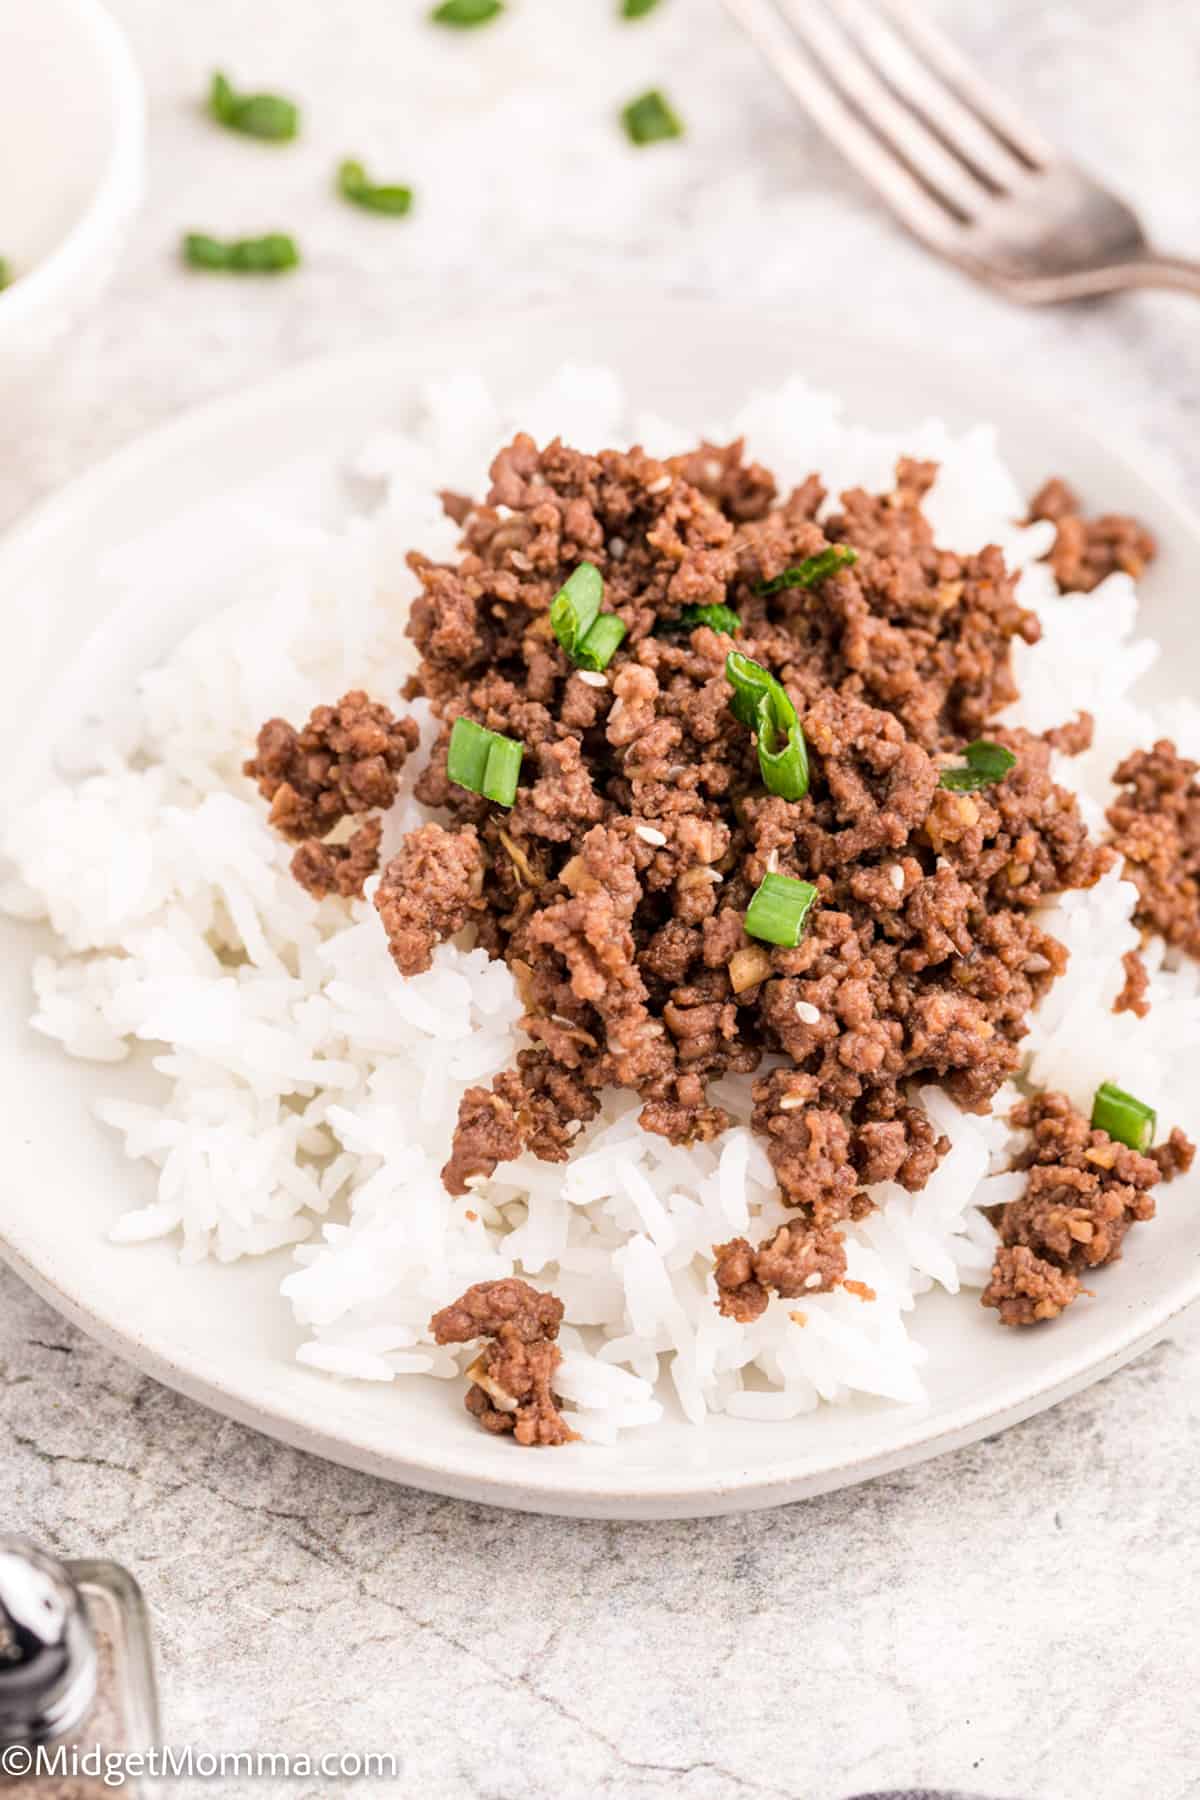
267, 116
465, 13
763, 703
600, 643
5, 273
986, 763
718, 618
588, 638
779, 911
243, 256
484, 761
1130, 1121
354, 186
650, 119
637, 9
812, 571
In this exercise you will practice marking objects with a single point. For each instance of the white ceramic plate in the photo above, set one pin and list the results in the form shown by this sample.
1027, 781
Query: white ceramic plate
220, 1334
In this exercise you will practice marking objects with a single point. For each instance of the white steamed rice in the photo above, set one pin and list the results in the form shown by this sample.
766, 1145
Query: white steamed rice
309, 1093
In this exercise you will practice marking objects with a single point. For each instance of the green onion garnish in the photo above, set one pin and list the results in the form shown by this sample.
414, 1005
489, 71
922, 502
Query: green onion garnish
484, 761
5, 273
779, 911
588, 638
266, 116
1128, 1120
354, 186
650, 119
986, 764
464, 13
762, 703
813, 570
719, 618
243, 256
637, 9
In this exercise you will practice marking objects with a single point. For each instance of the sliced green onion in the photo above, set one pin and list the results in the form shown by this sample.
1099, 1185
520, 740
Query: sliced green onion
986, 763
465, 13
650, 119
353, 185
243, 256
779, 911
5, 273
600, 642
588, 638
812, 571
718, 618
1130, 1121
267, 116
763, 703
749, 681
484, 761
784, 769
637, 9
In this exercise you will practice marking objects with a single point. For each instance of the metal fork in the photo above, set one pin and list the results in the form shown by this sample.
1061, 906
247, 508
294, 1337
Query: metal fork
957, 164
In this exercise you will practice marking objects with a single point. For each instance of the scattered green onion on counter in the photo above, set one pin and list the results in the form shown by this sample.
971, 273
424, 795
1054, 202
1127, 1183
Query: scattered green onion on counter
354, 185
760, 701
779, 911
637, 9
268, 255
650, 119
5, 273
465, 13
986, 763
1129, 1120
588, 636
484, 761
266, 116
812, 571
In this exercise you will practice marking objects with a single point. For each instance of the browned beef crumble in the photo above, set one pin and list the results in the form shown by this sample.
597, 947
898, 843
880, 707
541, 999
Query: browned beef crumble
1083, 1193
345, 762
617, 885
1132, 997
512, 1376
1087, 550
1155, 823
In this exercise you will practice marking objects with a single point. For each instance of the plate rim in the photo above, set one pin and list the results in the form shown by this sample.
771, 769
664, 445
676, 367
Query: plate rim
534, 1487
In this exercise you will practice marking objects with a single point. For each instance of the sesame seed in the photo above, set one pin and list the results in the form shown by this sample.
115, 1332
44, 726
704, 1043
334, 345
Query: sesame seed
475, 1181
520, 561
813, 1280
592, 678
773, 862
790, 1102
897, 877
806, 1011
649, 835
617, 548
660, 486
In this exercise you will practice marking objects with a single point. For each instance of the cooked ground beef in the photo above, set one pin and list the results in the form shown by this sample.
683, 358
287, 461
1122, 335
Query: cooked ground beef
1083, 1193
1132, 997
1087, 550
512, 1376
616, 886
1155, 822
345, 762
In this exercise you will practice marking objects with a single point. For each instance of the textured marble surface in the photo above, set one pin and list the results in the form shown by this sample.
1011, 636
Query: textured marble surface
1018, 1619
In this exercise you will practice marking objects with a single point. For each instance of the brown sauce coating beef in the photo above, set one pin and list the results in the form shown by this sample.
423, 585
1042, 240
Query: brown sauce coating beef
345, 762
1084, 1191
1087, 550
616, 887
1155, 822
512, 1377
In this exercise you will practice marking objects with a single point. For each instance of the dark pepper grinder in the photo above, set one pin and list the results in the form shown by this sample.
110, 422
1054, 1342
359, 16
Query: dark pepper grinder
76, 1674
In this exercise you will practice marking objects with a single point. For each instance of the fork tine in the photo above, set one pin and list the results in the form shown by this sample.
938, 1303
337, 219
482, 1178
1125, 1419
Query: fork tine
922, 211
926, 93
899, 130
1002, 120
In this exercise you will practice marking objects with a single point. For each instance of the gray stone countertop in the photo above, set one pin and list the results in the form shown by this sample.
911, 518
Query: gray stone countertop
1018, 1619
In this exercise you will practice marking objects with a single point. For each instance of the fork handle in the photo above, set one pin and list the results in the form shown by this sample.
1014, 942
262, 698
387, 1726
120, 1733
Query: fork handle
1152, 271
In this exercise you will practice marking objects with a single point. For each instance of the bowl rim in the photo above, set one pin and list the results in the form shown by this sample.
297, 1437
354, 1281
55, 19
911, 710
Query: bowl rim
118, 186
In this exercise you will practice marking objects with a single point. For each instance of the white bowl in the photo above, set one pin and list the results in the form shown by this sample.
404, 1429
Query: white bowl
72, 154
